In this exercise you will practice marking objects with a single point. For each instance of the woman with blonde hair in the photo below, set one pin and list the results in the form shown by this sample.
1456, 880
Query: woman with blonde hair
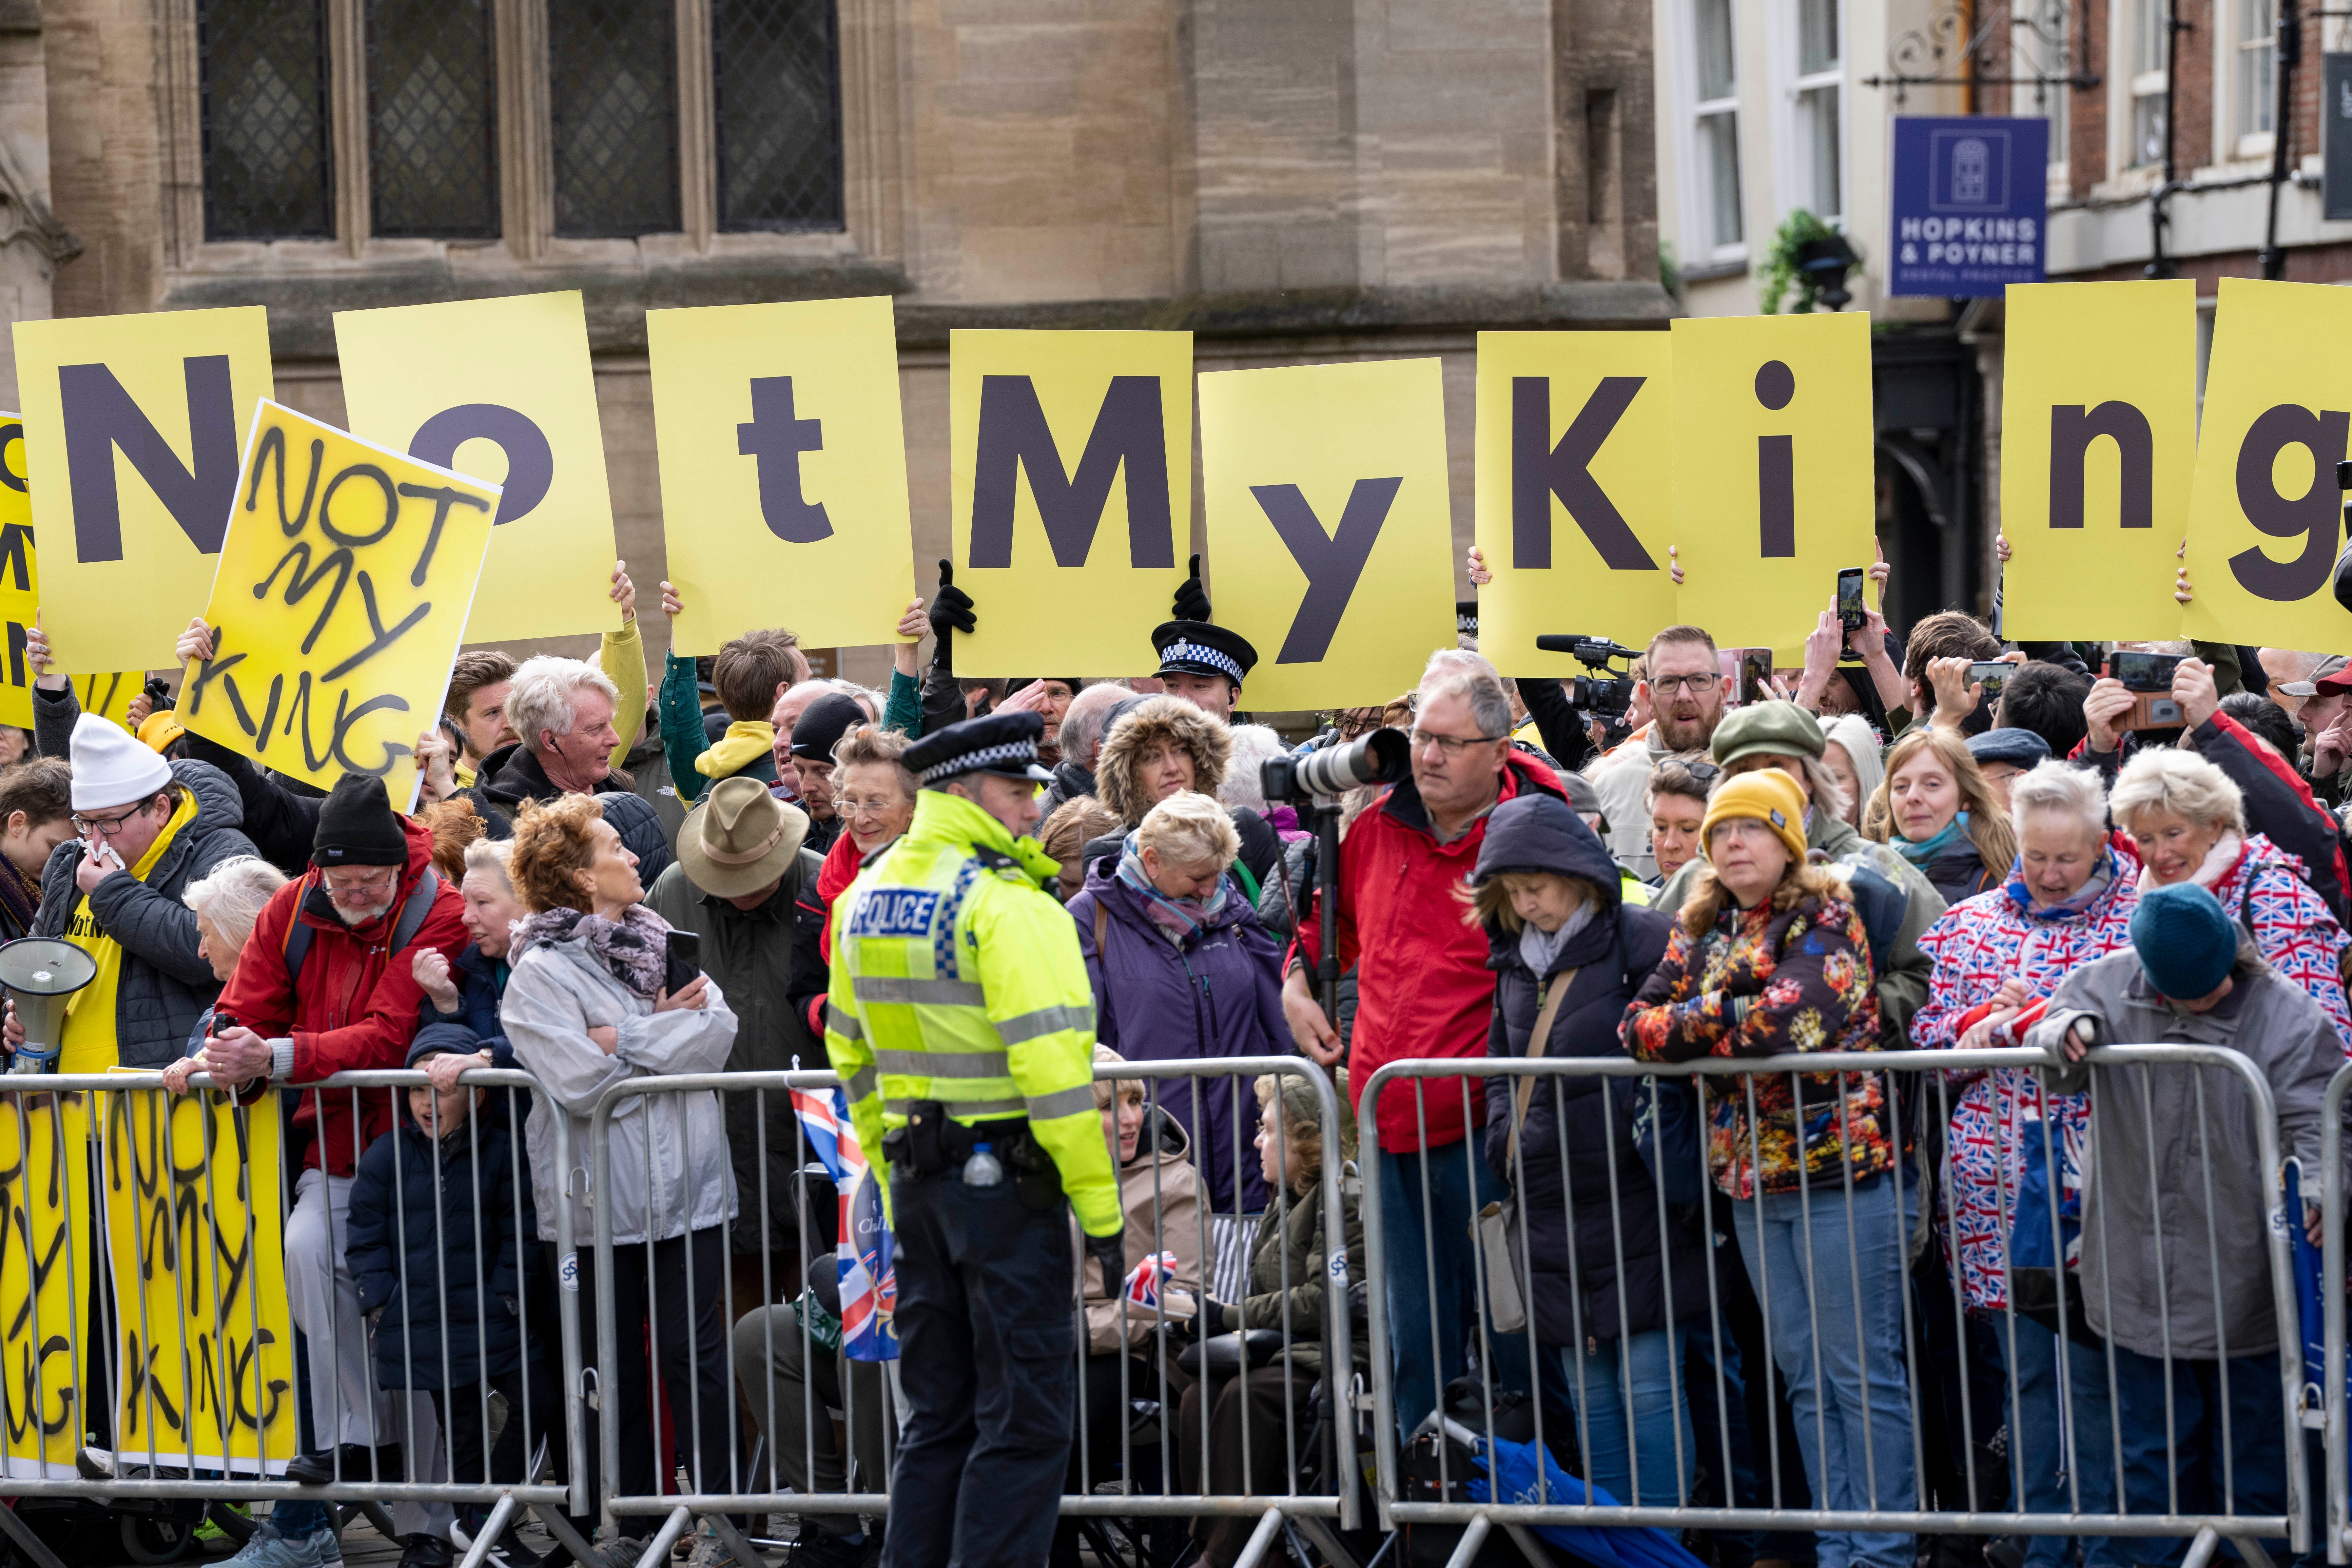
1937, 811
1183, 969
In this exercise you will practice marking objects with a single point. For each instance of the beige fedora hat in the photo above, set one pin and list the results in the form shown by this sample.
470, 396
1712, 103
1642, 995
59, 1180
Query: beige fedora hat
738, 838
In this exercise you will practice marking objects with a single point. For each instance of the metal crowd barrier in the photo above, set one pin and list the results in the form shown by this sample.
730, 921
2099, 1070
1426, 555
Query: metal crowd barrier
1125, 1486
2331, 1295
148, 1317
1814, 1325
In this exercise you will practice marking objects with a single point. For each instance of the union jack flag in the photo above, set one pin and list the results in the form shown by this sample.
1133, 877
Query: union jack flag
870, 1279
1148, 1279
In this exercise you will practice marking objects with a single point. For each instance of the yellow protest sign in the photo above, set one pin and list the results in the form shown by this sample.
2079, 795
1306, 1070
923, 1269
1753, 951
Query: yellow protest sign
783, 470
502, 389
45, 1282
1575, 490
2098, 420
197, 1253
2264, 508
1071, 457
20, 598
135, 422
343, 590
1327, 494
1773, 471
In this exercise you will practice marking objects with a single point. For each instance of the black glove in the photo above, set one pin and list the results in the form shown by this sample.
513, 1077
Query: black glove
1212, 1319
1111, 1253
953, 608
1192, 599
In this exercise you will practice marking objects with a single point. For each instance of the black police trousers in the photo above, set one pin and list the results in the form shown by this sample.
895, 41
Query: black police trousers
987, 1352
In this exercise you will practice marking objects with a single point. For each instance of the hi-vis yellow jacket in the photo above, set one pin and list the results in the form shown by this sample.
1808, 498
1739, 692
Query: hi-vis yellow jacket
956, 977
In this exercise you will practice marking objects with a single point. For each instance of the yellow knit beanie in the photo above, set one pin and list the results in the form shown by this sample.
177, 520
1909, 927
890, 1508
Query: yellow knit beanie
1769, 796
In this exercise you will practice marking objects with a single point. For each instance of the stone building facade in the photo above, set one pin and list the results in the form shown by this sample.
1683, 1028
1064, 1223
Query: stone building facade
1294, 182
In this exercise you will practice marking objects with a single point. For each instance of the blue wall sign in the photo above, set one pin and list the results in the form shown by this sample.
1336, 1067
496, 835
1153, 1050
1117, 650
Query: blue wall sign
1970, 204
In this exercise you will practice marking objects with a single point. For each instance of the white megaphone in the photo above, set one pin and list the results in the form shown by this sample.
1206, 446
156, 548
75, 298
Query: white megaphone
40, 973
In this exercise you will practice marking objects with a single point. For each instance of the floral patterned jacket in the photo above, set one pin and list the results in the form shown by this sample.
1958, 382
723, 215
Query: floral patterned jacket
1759, 984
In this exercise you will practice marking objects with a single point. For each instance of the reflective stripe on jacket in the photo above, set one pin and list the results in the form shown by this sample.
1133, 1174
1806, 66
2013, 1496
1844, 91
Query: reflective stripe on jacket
956, 977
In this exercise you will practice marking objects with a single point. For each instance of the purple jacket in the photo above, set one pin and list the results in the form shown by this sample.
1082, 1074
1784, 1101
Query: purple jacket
1220, 995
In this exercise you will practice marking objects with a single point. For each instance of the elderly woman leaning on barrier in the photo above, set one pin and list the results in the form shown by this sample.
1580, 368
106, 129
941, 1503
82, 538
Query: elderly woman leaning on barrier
1160, 1192
1181, 967
2176, 1237
2184, 820
1609, 1289
1290, 1268
1769, 957
2069, 900
586, 1008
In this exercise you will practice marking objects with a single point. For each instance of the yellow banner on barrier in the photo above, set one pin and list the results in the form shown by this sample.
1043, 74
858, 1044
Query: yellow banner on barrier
502, 389
1575, 490
783, 470
45, 1282
1330, 526
2098, 439
343, 590
1071, 457
196, 1248
1775, 487
136, 422
2264, 514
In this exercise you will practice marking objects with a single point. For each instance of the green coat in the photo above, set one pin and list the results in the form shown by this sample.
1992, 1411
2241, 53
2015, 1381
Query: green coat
1290, 1267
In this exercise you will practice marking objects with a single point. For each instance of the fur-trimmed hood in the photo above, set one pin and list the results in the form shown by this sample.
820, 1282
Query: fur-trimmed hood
1118, 770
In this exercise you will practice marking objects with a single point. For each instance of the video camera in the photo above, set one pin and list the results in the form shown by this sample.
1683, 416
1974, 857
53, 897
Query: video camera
1382, 757
1607, 693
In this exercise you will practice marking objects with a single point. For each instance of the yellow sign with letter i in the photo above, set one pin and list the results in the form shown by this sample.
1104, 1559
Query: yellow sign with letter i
1331, 526
344, 586
2264, 511
1774, 463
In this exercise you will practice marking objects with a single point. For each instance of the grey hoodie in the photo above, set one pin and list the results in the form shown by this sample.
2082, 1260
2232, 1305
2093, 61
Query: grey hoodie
2162, 1138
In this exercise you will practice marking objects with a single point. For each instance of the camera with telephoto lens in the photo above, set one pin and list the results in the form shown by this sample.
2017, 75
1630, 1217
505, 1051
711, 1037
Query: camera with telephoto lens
1605, 694
1382, 757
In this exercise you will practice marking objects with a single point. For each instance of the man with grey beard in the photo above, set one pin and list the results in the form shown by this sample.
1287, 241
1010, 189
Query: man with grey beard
328, 985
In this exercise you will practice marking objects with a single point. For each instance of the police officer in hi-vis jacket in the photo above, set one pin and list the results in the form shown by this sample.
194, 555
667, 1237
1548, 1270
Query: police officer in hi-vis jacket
961, 1020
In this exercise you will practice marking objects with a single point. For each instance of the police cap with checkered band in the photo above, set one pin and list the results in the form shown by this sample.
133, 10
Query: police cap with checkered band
1201, 647
1002, 743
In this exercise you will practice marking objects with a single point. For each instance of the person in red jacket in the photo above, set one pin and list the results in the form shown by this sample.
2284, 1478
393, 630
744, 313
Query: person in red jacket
327, 986
1422, 989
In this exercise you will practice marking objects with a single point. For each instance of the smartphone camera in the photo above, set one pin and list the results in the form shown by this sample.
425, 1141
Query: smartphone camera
1992, 675
1850, 609
2144, 671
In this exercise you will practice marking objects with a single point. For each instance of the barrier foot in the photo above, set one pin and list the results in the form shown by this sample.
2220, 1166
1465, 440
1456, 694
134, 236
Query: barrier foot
657, 1551
559, 1527
487, 1536
1528, 1544
2253, 1551
2201, 1550
1474, 1536
376, 1514
28, 1543
1269, 1525
1324, 1539
749, 1556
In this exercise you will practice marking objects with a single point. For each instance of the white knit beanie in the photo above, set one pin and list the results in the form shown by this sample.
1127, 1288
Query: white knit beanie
111, 766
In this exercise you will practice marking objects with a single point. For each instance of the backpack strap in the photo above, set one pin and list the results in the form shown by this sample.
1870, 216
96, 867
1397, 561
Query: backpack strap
414, 910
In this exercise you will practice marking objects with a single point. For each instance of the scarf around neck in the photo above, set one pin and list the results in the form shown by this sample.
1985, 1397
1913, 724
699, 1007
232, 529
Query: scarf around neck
1950, 839
1538, 948
1178, 920
2218, 862
2102, 877
632, 948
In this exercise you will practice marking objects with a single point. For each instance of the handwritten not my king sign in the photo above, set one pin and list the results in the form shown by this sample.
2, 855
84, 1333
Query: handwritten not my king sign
344, 586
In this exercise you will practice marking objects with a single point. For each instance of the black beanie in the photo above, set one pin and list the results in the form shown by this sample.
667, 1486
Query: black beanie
356, 827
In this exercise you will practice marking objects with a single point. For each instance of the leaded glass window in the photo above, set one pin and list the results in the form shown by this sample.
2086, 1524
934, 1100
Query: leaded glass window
776, 68
267, 143
433, 143
613, 65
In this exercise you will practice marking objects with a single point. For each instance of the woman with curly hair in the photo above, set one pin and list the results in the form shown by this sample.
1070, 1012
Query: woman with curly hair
1163, 745
1769, 957
586, 1008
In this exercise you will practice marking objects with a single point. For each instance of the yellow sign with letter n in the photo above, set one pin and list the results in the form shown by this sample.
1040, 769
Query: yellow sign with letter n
344, 584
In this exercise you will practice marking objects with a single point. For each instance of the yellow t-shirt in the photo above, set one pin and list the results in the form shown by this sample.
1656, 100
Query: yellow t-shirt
89, 1045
